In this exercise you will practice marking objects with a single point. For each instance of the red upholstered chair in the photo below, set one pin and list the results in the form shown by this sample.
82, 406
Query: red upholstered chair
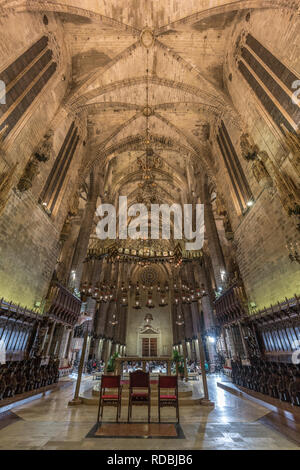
167, 382
139, 391
112, 398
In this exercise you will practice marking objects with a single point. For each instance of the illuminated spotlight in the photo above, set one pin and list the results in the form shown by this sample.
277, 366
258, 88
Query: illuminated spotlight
211, 339
250, 203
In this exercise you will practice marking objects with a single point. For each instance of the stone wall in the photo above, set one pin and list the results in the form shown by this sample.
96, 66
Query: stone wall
29, 238
262, 233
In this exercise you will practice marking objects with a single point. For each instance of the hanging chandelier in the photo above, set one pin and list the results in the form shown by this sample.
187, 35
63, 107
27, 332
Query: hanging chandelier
108, 292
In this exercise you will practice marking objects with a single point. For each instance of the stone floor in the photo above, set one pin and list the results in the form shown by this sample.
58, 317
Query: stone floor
49, 423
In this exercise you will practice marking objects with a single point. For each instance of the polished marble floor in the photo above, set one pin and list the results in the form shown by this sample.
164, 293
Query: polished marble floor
49, 423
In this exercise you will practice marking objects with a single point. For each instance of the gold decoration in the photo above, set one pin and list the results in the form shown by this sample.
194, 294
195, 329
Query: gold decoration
6, 184
30, 172
45, 149
260, 173
65, 232
147, 111
287, 191
220, 205
222, 212
74, 204
41, 154
147, 37
248, 148
293, 143
227, 227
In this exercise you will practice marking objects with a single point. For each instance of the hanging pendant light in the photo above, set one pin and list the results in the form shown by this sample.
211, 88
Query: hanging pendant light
90, 290
83, 291
96, 293
114, 320
149, 303
137, 304
124, 296
179, 320
163, 301
111, 294
106, 293
176, 294
200, 291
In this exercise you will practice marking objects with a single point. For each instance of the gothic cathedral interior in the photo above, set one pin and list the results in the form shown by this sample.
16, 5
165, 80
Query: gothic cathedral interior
149, 224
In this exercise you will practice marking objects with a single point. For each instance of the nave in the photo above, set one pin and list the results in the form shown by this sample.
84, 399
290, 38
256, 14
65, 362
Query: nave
233, 424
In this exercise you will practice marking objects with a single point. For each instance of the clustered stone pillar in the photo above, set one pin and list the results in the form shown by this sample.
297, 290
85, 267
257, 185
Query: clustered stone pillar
212, 236
85, 229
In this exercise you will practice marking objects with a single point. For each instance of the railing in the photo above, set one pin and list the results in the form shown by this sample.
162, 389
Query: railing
289, 307
63, 305
10, 309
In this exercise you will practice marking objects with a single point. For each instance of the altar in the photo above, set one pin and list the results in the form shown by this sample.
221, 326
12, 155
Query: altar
161, 363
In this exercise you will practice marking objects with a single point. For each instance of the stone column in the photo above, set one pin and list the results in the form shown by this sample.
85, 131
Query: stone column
107, 354
200, 275
225, 341
203, 373
184, 351
214, 244
71, 335
44, 341
243, 341
196, 346
207, 299
233, 349
188, 326
85, 229
47, 352
60, 335
67, 251
189, 349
